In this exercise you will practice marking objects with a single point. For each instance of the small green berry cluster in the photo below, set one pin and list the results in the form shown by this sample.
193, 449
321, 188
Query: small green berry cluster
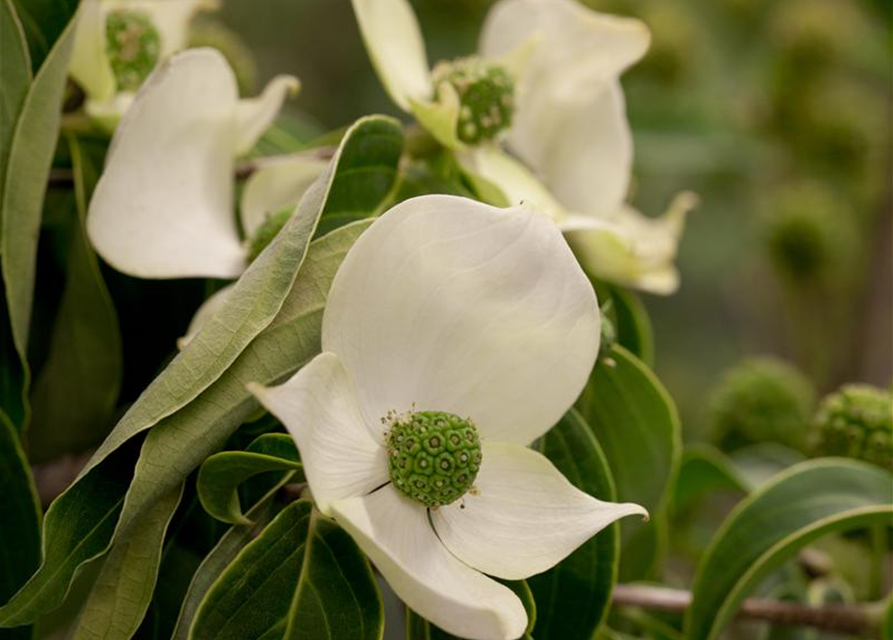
856, 421
486, 97
133, 45
761, 399
266, 232
433, 456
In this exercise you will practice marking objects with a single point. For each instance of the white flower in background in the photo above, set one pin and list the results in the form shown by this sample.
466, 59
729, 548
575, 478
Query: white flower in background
547, 83
163, 207
617, 244
455, 334
119, 42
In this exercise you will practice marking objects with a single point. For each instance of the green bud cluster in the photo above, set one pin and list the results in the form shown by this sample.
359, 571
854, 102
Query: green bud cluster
810, 234
433, 456
133, 45
762, 400
856, 421
486, 97
266, 232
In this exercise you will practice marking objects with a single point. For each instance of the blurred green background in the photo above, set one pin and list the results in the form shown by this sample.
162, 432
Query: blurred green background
776, 112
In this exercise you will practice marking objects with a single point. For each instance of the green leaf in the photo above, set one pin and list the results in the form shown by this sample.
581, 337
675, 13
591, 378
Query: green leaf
24, 185
220, 475
367, 173
200, 399
573, 597
44, 22
807, 501
229, 545
633, 325
303, 577
635, 421
20, 532
760, 462
704, 470
15, 78
75, 393
76, 530
123, 590
417, 628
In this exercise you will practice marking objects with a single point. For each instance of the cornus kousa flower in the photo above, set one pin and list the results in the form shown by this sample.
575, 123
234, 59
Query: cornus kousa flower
163, 207
546, 84
119, 42
455, 334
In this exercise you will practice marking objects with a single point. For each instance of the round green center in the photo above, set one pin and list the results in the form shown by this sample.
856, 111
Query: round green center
433, 457
486, 97
266, 232
134, 46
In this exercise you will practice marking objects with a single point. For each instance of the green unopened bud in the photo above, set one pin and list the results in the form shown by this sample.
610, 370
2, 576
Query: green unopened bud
762, 400
433, 456
486, 97
134, 46
856, 421
810, 234
266, 232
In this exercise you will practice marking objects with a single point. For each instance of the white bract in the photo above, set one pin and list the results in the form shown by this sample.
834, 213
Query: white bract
480, 314
567, 124
119, 42
163, 207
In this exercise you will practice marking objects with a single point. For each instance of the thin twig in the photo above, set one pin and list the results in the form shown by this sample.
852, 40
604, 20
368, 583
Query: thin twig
849, 619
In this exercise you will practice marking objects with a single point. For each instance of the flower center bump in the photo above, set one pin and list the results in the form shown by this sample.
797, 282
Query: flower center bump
433, 456
134, 46
486, 97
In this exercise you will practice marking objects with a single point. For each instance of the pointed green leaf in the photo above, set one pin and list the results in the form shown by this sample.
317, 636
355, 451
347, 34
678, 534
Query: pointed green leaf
221, 474
573, 597
44, 22
636, 424
30, 156
75, 393
123, 590
633, 325
703, 470
20, 531
303, 577
367, 173
229, 545
809, 500
15, 77
758, 463
76, 529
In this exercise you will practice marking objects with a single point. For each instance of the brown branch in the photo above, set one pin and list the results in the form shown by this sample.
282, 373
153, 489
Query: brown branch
849, 619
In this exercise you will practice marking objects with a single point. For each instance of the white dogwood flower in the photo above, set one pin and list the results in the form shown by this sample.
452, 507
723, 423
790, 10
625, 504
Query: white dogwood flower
618, 244
163, 207
455, 334
547, 84
119, 42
